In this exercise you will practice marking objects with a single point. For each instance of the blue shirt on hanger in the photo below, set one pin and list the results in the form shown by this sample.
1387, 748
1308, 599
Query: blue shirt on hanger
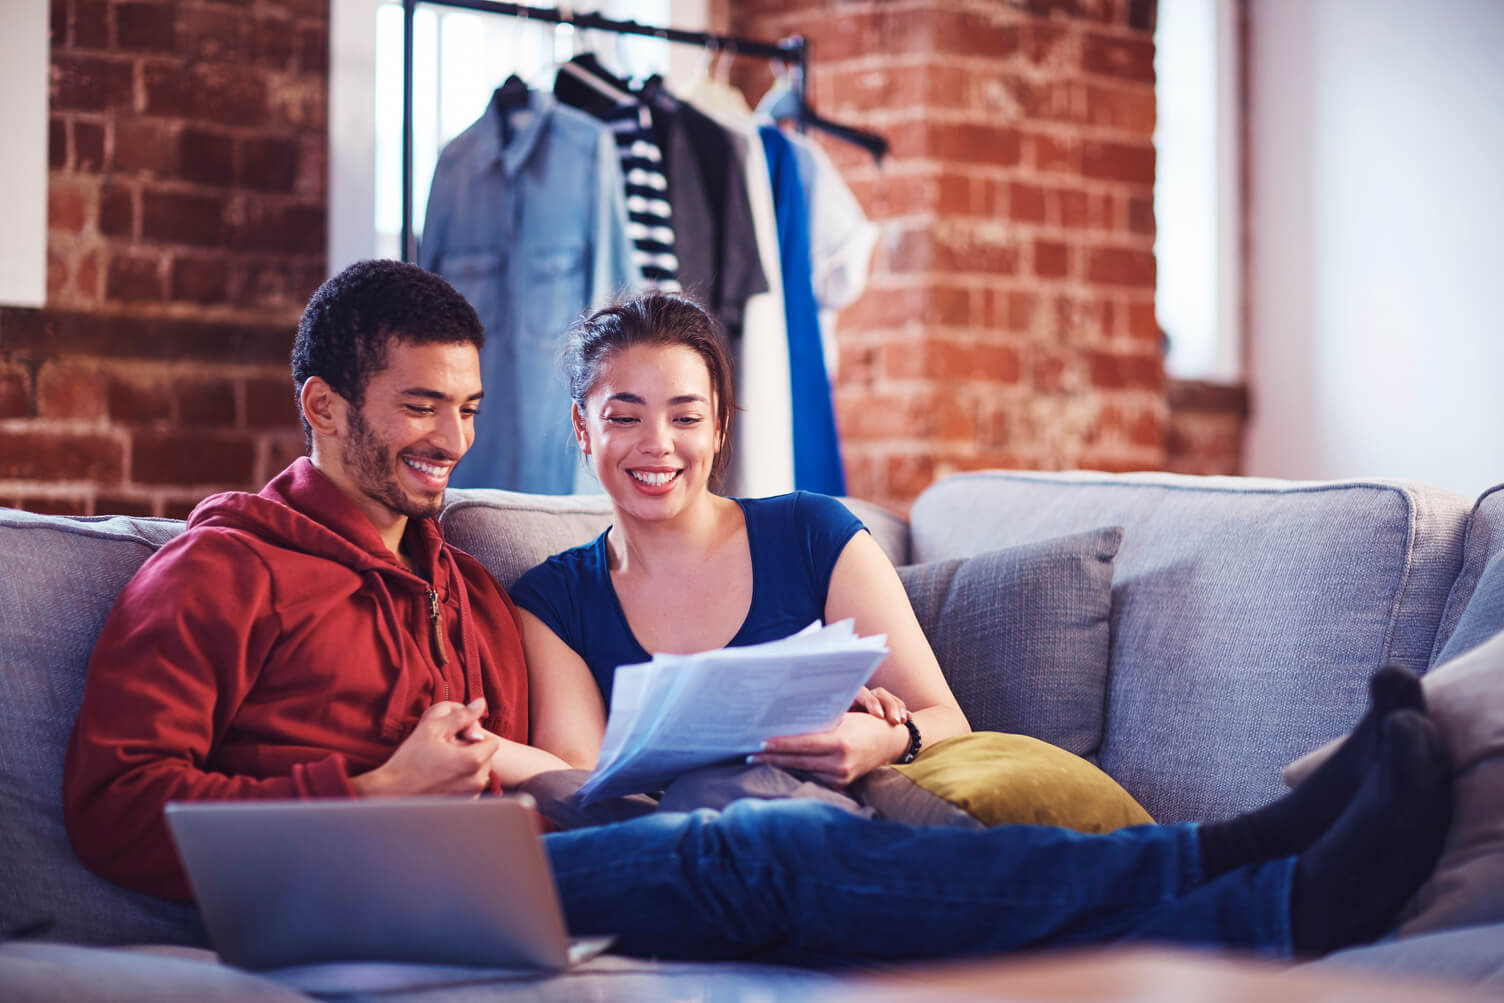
532, 233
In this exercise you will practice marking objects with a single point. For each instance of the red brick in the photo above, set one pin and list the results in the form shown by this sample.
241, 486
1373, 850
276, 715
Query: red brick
133, 278
301, 102
1025, 203
907, 476
313, 49
117, 210
1143, 323
70, 205
137, 401
90, 23
1120, 266
208, 403
58, 268
279, 452
70, 392
86, 275
57, 143
968, 143
88, 146
146, 146
1116, 56
124, 505
177, 509
1105, 11
1126, 108
1128, 162
191, 458
270, 403
1052, 259
272, 45
145, 27
1074, 208
231, 96
170, 90
178, 218
200, 280
292, 229
1141, 215
90, 83
1114, 371
15, 393
208, 157
1051, 154
970, 34
1044, 43
215, 35
269, 164
1020, 310
55, 505
52, 456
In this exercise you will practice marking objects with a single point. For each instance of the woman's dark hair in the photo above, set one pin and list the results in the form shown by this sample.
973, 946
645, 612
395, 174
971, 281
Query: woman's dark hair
662, 319
351, 320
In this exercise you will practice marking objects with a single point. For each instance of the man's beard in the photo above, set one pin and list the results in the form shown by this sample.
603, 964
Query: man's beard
374, 467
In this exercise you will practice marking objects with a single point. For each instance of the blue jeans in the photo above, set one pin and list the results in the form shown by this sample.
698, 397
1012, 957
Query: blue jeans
804, 879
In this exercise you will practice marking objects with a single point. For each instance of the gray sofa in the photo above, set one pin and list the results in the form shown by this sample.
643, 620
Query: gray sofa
1239, 622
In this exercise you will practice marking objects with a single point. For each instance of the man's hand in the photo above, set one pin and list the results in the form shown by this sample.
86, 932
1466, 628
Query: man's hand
859, 743
447, 753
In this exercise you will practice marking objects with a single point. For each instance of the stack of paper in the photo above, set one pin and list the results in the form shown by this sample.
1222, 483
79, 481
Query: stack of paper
680, 712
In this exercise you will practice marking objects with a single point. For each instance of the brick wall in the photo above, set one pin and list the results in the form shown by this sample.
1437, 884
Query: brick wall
186, 214
1009, 320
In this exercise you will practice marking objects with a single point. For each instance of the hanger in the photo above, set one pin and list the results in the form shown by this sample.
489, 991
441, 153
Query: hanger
784, 102
511, 95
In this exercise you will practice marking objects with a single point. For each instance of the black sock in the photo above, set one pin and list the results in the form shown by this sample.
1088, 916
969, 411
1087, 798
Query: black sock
1289, 825
1350, 884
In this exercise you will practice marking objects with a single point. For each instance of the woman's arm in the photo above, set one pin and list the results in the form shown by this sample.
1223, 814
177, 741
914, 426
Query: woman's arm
567, 714
865, 588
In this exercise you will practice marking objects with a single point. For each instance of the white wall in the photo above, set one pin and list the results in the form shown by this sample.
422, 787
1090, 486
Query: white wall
23, 154
1376, 344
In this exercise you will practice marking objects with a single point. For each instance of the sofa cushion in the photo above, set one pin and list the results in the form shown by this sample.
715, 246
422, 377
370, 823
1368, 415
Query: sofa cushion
1466, 697
1022, 634
1247, 614
987, 778
1475, 605
510, 532
61, 578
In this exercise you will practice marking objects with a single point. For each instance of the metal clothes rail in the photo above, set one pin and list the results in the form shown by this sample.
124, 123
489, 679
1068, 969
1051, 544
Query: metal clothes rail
792, 51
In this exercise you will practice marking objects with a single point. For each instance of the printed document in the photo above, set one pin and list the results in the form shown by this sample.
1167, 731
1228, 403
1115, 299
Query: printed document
679, 712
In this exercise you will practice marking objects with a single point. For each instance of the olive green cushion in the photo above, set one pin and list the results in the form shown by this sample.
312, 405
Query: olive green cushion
988, 778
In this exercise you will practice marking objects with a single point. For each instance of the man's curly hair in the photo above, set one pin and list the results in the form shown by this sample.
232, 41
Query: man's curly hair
352, 318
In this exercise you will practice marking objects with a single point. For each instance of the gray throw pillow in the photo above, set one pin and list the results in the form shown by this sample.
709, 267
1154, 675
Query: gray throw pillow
1022, 634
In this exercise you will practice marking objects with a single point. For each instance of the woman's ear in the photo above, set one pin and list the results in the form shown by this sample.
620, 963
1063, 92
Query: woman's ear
581, 432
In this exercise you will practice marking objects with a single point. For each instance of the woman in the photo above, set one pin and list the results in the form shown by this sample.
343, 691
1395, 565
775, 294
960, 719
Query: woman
683, 569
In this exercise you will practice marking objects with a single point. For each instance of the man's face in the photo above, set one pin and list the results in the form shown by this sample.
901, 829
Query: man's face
417, 420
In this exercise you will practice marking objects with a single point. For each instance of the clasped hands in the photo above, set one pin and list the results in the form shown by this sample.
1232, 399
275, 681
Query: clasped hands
870, 735
447, 753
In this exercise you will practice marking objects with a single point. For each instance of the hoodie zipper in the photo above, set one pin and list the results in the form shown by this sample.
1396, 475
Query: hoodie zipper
436, 618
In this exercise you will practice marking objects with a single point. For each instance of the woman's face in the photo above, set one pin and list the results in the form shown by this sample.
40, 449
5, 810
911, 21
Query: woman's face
649, 428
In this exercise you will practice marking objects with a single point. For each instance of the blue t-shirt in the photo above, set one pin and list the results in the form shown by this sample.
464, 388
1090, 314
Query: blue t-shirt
795, 540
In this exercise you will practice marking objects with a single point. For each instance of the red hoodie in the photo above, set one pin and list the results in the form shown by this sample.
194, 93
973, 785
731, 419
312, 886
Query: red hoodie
274, 650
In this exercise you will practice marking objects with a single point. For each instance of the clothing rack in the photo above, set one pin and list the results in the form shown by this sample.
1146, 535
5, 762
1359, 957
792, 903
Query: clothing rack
792, 51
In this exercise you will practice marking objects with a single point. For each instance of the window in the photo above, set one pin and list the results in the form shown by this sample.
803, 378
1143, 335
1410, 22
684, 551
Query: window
459, 58
1197, 205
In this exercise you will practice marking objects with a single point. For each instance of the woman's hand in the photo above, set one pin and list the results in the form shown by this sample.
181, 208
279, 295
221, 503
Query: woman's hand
859, 743
880, 703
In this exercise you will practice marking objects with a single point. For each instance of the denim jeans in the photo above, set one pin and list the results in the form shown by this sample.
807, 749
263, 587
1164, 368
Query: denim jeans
803, 879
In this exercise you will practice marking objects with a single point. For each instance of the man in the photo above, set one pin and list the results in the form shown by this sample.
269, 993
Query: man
319, 639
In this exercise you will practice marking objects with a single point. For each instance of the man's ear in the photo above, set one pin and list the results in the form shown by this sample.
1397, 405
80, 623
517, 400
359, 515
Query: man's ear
581, 433
323, 409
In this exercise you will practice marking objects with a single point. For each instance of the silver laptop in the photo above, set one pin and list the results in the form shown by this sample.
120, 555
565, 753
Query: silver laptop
441, 881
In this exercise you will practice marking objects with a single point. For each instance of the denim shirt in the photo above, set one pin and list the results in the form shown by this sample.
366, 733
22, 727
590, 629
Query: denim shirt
532, 234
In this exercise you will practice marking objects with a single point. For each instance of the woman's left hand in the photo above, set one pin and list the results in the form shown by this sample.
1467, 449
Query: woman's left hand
860, 742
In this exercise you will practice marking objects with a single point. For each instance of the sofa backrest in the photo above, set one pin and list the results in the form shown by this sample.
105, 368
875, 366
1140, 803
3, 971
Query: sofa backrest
1247, 615
1475, 607
510, 532
60, 578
